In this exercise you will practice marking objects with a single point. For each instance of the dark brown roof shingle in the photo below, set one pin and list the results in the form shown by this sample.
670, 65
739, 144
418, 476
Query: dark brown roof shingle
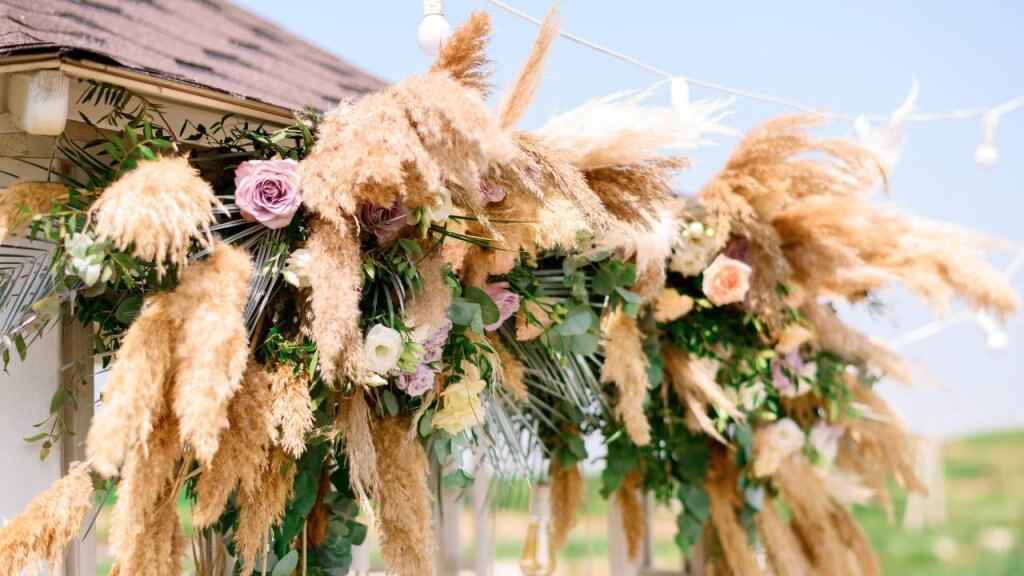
210, 43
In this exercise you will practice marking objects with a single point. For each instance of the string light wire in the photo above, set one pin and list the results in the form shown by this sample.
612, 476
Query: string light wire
957, 114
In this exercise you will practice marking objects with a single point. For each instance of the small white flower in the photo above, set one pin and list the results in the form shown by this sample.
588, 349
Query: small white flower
775, 443
382, 348
825, 440
296, 268
441, 206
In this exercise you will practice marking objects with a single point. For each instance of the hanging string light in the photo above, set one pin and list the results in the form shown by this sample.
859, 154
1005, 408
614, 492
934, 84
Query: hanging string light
434, 29
986, 155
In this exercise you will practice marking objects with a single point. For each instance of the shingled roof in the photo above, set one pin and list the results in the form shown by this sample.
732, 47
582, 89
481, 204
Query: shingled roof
208, 43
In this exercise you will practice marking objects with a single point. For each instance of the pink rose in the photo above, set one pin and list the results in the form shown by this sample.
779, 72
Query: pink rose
267, 191
491, 192
726, 281
506, 300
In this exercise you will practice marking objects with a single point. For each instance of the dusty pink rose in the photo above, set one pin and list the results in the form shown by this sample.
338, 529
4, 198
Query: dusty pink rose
506, 300
726, 281
491, 192
385, 223
267, 191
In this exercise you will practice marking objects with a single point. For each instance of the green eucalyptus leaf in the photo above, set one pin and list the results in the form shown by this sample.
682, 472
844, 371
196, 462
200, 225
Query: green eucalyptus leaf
285, 566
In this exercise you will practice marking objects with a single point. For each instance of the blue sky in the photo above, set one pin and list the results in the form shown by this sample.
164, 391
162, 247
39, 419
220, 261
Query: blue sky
851, 57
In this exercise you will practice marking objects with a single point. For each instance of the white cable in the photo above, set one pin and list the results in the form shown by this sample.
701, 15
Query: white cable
957, 114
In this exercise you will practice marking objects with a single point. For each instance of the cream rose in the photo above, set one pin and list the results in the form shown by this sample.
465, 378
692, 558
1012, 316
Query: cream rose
774, 443
726, 281
461, 407
382, 348
672, 305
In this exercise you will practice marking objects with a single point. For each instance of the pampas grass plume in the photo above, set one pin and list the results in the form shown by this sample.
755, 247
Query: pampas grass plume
212, 346
462, 54
291, 409
336, 275
20, 202
406, 504
44, 529
567, 491
156, 210
625, 364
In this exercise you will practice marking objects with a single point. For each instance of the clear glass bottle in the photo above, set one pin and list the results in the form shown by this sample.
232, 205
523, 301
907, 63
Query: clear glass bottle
538, 557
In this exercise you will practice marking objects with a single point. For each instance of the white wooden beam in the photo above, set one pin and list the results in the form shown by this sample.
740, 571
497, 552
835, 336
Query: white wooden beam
38, 101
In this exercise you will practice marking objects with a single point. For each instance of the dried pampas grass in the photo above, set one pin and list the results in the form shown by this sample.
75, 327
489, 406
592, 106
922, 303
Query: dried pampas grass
724, 500
360, 452
462, 54
406, 504
402, 145
142, 530
512, 372
263, 506
40, 534
20, 202
211, 347
527, 82
567, 492
634, 519
616, 130
625, 364
637, 194
847, 247
243, 446
690, 377
880, 439
156, 210
292, 409
838, 338
427, 310
134, 396
782, 547
335, 275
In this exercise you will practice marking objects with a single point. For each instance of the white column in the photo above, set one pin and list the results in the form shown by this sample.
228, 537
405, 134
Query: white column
483, 523
618, 550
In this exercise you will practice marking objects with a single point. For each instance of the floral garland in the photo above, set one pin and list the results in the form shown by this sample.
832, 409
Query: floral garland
305, 321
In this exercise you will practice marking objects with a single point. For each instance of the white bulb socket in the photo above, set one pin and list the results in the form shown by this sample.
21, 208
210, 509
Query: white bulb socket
434, 30
986, 155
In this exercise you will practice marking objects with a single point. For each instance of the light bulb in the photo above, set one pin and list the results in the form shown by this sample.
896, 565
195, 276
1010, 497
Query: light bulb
538, 556
986, 155
679, 89
434, 29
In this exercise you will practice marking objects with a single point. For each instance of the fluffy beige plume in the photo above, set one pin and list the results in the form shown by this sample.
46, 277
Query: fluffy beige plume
811, 510
617, 130
134, 397
881, 440
775, 166
567, 492
518, 99
406, 503
211, 347
636, 193
838, 338
141, 528
156, 210
846, 246
20, 202
724, 500
243, 446
161, 548
634, 519
462, 54
689, 376
782, 546
360, 452
263, 506
402, 144
292, 409
547, 201
428, 308
649, 245
40, 534
513, 373
335, 276
625, 364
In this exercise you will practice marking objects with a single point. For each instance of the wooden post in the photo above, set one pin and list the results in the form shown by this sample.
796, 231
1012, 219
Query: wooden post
483, 519
77, 375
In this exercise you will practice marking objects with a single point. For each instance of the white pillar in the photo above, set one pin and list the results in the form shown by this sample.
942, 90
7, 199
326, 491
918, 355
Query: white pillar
618, 550
483, 520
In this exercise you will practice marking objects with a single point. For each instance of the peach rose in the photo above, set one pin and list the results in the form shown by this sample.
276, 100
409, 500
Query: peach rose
726, 281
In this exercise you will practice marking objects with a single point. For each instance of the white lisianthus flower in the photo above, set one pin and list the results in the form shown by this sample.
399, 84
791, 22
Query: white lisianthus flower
382, 348
441, 206
825, 440
774, 443
296, 268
